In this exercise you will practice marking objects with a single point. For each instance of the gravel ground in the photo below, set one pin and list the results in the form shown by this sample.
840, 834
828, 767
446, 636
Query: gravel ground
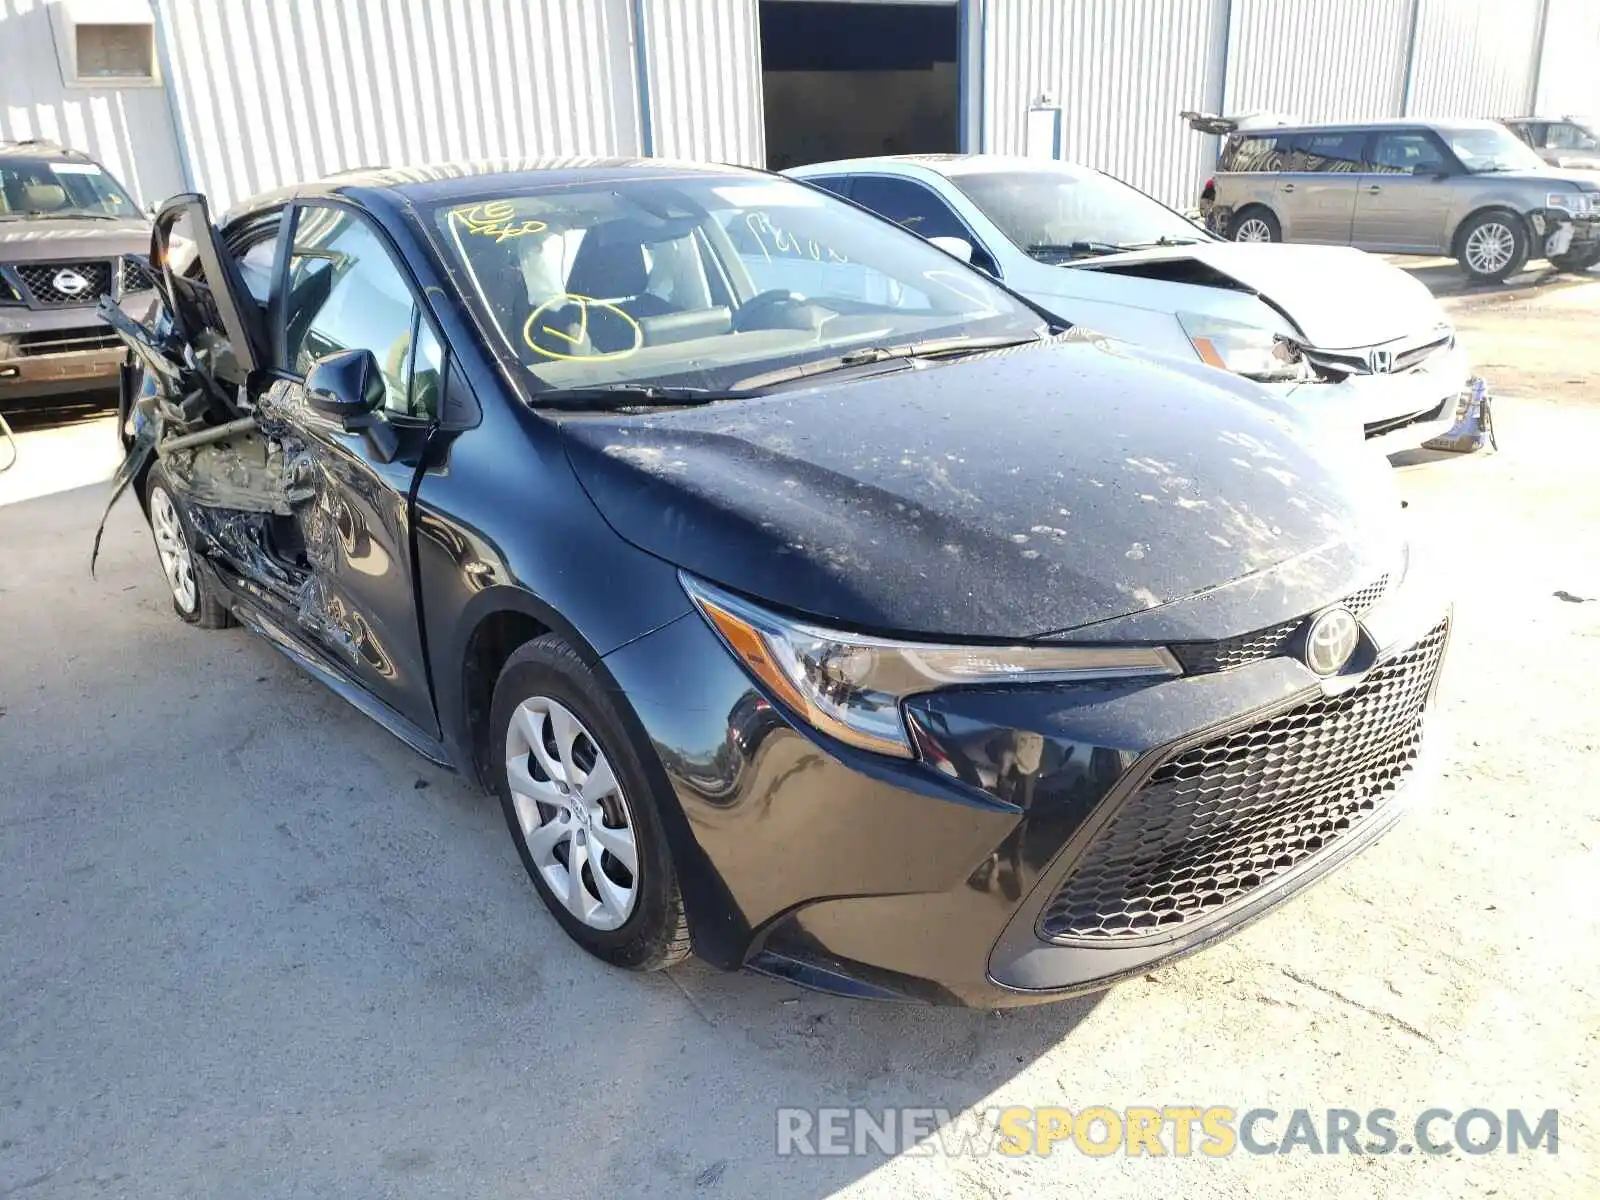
253, 947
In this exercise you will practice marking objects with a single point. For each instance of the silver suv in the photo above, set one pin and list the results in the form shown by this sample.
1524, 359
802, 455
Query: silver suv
1469, 189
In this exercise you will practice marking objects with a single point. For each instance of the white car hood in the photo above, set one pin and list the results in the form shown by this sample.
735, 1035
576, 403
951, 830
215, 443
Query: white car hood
1339, 298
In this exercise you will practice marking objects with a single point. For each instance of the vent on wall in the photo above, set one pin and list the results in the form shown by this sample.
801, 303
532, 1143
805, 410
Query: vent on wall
106, 43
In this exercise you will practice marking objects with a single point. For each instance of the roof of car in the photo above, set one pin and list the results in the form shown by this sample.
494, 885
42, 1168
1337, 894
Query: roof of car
943, 164
39, 148
441, 181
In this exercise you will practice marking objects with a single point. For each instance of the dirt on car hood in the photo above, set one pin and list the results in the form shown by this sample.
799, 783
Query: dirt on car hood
1009, 495
1338, 297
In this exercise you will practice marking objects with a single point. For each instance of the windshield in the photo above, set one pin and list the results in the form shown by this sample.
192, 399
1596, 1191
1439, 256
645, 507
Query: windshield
1496, 149
1059, 212
701, 281
42, 187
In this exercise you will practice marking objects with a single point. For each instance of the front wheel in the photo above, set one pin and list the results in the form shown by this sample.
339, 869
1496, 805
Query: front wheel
1256, 224
1494, 246
192, 597
579, 805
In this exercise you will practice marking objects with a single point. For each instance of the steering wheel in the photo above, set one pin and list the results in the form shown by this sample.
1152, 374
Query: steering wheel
778, 308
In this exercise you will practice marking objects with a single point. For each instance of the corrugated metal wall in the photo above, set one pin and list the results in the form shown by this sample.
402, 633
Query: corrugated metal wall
1121, 70
1569, 80
1320, 60
1475, 57
126, 129
704, 67
274, 93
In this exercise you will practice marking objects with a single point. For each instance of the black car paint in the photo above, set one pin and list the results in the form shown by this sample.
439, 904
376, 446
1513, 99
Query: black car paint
796, 854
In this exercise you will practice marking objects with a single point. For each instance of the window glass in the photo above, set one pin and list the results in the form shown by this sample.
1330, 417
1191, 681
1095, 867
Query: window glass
1486, 149
1328, 153
908, 204
345, 293
698, 280
1253, 152
426, 378
258, 258
1564, 135
1405, 153
45, 187
839, 185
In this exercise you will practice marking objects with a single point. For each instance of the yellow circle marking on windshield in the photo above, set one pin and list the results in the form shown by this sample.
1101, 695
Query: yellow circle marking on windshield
567, 343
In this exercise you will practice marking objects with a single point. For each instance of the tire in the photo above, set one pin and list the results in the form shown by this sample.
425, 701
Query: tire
193, 597
547, 697
1492, 246
1579, 262
1255, 224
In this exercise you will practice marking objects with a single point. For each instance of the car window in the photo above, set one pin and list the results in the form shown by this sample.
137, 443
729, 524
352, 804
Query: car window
909, 204
839, 185
1405, 153
1485, 149
47, 187
701, 280
1564, 135
1253, 152
346, 293
255, 251
1327, 153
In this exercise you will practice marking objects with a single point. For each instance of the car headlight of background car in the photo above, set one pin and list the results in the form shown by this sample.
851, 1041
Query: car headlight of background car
1247, 350
850, 685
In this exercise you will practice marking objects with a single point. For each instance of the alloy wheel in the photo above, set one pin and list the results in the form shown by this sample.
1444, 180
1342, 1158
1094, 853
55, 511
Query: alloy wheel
572, 812
1490, 247
172, 545
1252, 229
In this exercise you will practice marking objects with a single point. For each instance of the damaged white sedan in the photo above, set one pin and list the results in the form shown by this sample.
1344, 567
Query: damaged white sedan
1363, 347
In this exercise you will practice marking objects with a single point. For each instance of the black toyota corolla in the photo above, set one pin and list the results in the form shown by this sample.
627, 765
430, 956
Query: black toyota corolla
807, 598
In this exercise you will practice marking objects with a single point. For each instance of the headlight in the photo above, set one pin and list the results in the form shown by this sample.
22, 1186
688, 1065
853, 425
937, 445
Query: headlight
1568, 202
1246, 350
850, 686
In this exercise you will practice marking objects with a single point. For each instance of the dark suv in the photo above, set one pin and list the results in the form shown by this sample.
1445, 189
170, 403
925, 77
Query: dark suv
70, 235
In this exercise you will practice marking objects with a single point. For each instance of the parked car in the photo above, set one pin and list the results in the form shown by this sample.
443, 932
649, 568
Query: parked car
1560, 141
1361, 346
881, 637
1468, 189
70, 236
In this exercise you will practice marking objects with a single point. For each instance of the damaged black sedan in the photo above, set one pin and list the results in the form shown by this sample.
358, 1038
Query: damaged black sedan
807, 598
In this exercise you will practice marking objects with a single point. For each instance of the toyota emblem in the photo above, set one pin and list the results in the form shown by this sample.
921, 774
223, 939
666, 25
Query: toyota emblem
69, 283
1331, 640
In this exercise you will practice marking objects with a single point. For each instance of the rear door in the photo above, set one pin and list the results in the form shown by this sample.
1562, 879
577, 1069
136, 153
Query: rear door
1403, 200
1315, 195
348, 541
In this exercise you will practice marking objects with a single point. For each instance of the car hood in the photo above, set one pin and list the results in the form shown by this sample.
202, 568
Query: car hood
1338, 297
1006, 496
56, 241
1585, 180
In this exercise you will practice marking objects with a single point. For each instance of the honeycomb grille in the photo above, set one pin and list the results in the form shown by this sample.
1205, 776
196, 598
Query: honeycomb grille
1219, 820
135, 275
40, 279
1205, 658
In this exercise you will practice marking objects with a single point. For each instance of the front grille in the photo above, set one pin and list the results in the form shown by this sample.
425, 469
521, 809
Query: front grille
1205, 658
40, 280
136, 275
1217, 821
65, 341
1417, 355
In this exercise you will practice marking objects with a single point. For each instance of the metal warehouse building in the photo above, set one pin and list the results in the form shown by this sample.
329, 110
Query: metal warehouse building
233, 96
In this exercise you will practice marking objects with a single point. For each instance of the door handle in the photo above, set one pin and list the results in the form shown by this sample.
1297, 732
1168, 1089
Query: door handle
1286, 187
1373, 189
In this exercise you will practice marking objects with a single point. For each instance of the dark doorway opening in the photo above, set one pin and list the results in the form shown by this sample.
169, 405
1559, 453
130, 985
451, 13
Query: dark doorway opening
847, 79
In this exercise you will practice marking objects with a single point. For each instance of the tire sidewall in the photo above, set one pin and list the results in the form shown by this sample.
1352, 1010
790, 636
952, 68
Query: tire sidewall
548, 667
158, 481
1256, 212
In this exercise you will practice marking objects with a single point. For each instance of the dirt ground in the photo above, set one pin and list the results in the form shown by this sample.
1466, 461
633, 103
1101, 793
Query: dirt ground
253, 947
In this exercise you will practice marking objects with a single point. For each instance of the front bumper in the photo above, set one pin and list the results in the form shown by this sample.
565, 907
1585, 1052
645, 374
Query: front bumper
1390, 412
58, 351
935, 879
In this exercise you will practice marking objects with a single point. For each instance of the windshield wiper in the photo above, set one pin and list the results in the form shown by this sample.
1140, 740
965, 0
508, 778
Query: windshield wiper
867, 355
1072, 249
612, 397
1163, 240
65, 214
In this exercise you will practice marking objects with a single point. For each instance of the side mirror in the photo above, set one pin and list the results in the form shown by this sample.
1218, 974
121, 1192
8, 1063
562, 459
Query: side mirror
954, 246
345, 384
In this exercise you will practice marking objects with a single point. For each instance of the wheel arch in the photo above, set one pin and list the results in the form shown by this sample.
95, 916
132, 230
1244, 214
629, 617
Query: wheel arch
1459, 235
